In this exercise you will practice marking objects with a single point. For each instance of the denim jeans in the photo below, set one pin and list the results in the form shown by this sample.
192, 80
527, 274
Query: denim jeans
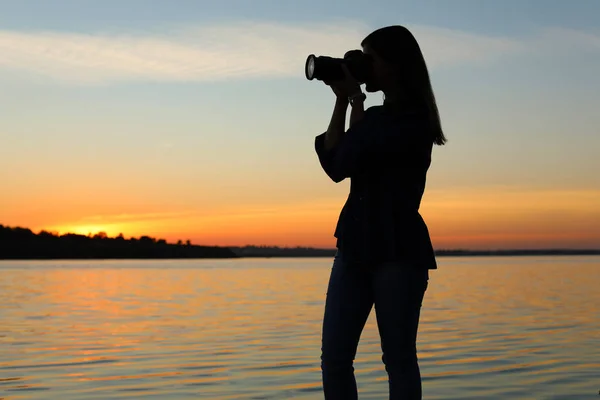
396, 290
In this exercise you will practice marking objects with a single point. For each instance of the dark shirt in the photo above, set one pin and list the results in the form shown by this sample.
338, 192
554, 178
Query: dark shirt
386, 158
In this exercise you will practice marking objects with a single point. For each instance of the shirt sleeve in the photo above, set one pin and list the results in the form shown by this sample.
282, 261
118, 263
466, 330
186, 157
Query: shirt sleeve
365, 144
346, 158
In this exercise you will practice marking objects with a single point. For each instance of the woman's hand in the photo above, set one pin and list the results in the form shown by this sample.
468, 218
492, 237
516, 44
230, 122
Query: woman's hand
346, 87
343, 90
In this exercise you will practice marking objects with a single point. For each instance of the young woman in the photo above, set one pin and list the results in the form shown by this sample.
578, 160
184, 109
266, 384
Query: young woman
384, 248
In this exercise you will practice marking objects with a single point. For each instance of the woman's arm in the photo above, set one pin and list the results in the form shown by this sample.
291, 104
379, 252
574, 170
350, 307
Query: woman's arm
358, 111
349, 149
332, 141
337, 125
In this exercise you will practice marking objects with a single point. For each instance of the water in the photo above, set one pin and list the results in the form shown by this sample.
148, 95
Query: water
492, 328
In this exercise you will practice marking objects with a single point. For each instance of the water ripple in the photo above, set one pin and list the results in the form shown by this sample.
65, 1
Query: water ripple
518, 328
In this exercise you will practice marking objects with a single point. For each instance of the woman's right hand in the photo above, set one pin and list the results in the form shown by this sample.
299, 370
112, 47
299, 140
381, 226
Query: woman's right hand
346, 87
339, 94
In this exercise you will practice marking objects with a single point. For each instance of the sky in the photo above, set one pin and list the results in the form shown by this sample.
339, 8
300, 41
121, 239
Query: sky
185, 119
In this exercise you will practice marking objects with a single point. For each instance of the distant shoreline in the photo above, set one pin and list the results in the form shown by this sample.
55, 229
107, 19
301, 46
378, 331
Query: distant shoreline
308, 252
18, 243
305, 253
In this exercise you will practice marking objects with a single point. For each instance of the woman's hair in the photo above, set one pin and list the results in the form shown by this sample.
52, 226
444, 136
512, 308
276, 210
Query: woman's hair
397, 45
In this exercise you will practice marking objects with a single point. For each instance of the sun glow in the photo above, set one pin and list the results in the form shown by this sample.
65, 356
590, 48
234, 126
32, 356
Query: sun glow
109, 229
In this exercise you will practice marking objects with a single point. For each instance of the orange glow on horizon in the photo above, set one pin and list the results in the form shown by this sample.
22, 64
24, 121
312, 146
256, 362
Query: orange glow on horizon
110, 230
471, 218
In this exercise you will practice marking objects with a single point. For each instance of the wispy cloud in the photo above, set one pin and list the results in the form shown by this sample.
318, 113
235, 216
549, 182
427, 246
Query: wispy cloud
238, 50
242, 50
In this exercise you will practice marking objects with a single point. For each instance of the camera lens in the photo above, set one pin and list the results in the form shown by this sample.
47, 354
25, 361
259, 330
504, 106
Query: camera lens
309, 68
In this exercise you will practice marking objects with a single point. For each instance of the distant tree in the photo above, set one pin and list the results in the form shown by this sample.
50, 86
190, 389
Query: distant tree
21, 233
46, 234
22, 243
188, 242
147, 239
179, 242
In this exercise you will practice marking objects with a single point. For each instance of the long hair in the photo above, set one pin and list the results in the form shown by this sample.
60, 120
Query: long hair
396, 45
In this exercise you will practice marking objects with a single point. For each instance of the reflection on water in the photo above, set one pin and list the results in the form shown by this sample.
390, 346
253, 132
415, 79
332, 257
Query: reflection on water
493, 328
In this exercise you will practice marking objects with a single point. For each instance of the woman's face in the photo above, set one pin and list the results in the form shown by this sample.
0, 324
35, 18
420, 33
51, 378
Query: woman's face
383, 74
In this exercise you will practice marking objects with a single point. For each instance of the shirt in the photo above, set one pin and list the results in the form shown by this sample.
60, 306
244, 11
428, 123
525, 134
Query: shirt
386, 158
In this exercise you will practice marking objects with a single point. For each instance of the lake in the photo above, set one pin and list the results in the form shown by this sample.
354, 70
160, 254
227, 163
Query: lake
491, 328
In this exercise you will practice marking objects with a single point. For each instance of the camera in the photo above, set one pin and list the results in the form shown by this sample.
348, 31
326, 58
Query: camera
329, 69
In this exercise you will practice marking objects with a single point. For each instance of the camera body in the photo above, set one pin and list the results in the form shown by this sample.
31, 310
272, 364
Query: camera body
329, 69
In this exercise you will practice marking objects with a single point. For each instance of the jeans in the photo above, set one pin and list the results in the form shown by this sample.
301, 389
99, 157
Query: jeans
397, 291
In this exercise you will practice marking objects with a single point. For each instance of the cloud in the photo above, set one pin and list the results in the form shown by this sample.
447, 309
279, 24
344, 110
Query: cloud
212, 53
237, 50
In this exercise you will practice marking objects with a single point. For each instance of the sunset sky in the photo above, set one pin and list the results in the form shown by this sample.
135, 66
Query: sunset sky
186, 119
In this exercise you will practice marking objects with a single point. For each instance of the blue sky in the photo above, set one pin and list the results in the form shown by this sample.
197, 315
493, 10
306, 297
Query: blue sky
483, 16
194, 102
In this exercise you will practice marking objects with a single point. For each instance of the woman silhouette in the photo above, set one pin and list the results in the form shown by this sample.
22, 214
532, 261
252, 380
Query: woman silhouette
384, 249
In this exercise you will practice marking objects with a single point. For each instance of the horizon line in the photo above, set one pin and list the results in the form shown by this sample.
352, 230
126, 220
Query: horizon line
103, 236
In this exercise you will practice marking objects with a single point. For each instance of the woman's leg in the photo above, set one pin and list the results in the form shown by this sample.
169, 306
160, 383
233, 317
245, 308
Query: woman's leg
398, 295
347, 307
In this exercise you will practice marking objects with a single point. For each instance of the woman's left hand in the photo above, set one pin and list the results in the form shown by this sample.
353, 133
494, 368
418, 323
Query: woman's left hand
346, 87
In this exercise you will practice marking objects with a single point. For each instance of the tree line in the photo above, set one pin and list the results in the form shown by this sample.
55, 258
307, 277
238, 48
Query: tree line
23, 243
